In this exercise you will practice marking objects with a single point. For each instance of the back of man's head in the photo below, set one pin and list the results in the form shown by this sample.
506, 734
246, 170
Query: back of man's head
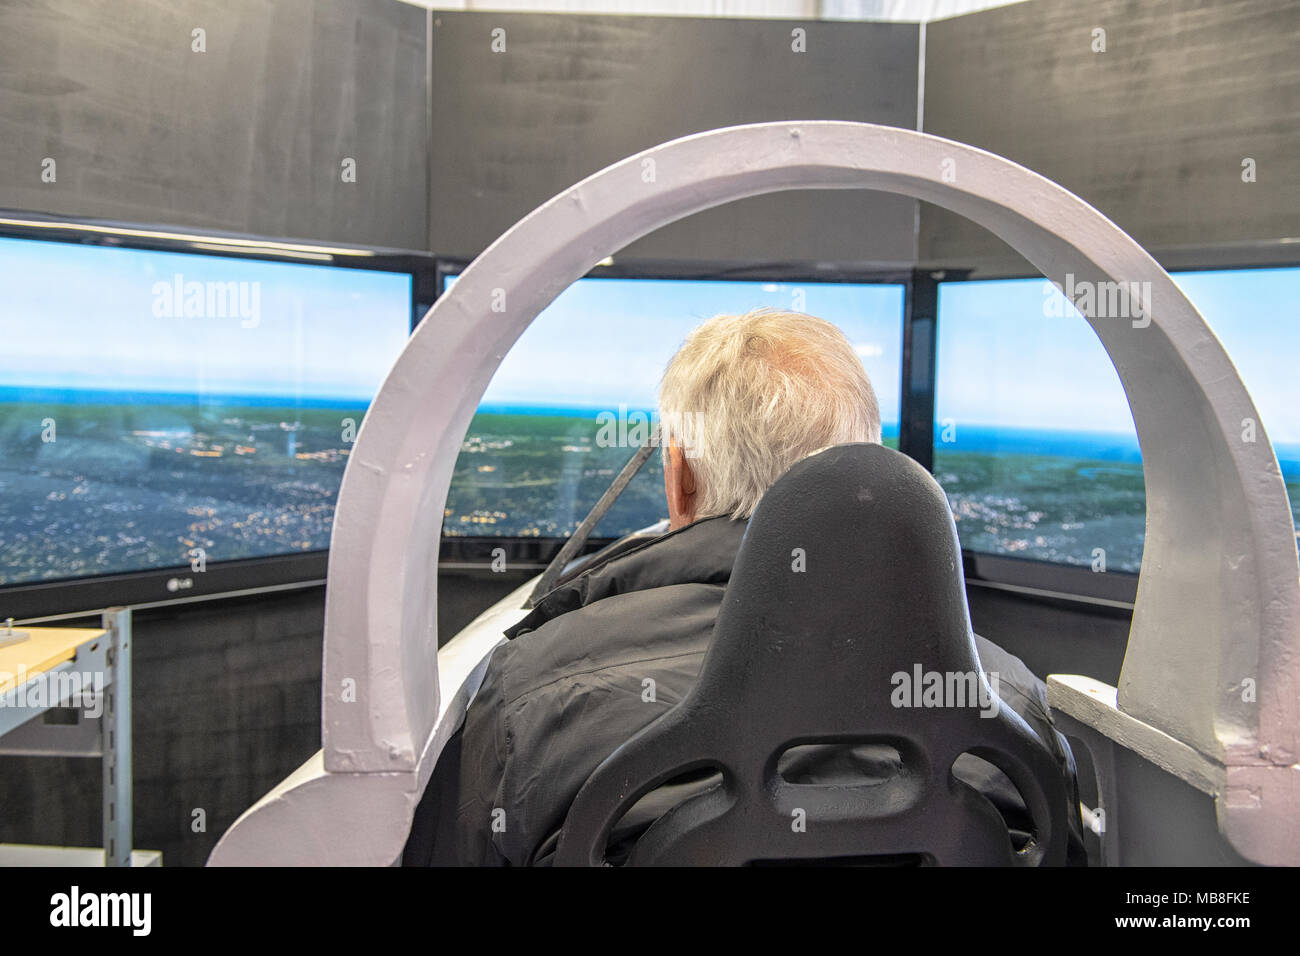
747, 396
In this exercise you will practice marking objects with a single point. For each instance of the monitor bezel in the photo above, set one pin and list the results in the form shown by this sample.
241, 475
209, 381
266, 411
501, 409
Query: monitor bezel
69, 597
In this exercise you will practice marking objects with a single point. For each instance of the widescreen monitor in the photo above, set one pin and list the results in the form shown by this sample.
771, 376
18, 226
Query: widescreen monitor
560, 417
1034, 442
175, 414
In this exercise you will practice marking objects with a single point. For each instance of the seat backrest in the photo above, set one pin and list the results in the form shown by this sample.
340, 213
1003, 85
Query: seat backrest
844, 622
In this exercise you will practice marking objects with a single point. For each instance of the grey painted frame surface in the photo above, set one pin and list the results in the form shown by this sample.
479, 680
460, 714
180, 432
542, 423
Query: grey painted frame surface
1219, 595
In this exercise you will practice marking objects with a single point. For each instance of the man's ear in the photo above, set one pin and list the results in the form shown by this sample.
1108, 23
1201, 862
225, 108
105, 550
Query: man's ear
679, 487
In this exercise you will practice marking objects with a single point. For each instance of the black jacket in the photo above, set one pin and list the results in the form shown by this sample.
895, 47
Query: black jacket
570, 686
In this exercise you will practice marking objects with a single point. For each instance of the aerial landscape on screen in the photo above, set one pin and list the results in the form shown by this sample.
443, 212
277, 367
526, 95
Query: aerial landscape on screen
135, 436
160, 409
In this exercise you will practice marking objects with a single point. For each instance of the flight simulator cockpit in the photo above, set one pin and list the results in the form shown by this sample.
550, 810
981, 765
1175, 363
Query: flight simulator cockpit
862, 480
382, 754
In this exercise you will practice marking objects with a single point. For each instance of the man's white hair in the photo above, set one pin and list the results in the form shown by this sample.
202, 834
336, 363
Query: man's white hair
747, 396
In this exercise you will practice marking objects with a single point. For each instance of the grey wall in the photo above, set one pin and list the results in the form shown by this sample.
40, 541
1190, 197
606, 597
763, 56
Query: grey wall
572, 94
1152, 131
247, 137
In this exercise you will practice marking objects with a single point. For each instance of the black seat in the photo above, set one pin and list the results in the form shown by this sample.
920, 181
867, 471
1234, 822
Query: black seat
848, 576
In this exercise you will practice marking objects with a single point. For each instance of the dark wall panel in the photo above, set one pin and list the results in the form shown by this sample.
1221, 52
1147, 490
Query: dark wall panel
1152, 132
1052, 637
247, 137
226, 705
572, 94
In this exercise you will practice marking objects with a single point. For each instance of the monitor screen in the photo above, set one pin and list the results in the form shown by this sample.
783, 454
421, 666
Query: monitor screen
1034, 442
571, 401
165, 409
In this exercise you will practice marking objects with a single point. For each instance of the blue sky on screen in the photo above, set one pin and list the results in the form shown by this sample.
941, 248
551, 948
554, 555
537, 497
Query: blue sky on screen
1003, 362
78, 316
606, 341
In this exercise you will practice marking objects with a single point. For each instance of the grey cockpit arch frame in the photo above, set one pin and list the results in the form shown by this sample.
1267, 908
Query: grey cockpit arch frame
1219, 592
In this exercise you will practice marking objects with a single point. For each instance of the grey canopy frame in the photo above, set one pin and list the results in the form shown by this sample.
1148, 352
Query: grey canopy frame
1218, 601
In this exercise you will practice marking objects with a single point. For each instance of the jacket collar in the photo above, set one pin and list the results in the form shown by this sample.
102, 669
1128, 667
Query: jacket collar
702, 552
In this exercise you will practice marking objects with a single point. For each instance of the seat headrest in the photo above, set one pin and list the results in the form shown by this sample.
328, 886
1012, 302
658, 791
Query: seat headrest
849, 572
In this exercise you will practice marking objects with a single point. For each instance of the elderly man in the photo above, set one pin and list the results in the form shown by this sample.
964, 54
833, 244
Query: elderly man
744, 399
